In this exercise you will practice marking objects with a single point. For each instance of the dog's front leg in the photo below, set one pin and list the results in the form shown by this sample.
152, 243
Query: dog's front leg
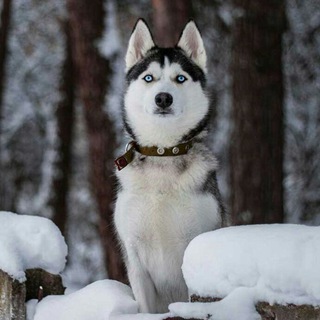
142, 285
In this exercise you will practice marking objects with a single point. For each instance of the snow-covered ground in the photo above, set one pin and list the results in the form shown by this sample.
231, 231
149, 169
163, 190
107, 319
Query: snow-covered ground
242, 265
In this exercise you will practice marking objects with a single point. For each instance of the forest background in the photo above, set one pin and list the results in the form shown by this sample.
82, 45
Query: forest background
61, 87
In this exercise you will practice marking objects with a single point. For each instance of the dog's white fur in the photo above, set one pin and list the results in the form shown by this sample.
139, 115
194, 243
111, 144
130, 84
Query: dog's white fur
160, 207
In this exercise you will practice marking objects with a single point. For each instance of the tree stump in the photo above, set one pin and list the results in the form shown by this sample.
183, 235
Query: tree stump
51, 284
276, 311
14, 294
12, 298
285, 312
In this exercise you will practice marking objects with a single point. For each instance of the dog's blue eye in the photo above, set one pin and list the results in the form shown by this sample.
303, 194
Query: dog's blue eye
148, 78
181, 79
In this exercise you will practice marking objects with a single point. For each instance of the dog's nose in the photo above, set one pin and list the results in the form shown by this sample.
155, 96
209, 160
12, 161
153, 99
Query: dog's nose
163, 100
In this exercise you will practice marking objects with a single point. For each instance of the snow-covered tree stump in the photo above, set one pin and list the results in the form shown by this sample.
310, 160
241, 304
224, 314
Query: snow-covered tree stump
12, 298
271, 271
276, 311
14, 294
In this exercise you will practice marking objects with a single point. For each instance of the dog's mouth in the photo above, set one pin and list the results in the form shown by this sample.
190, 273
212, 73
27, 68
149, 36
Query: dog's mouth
164, 113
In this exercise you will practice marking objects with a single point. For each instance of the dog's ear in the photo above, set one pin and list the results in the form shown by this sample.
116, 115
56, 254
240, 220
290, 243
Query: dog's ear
191, 42
140, 42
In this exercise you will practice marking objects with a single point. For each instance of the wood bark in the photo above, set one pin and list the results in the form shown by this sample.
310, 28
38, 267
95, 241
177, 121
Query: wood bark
169, 18
51, 284
14, 294
65, 124
256, 152
275, 311
93, 72
4, 31
281, 312
12, 298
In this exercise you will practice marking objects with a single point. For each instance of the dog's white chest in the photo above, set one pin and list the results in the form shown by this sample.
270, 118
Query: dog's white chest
161, 223
161, 211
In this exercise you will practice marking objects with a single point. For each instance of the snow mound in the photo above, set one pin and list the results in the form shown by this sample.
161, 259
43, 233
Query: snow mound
101, 300
30, 242
246, 264
238, 305
96, 301
281, 262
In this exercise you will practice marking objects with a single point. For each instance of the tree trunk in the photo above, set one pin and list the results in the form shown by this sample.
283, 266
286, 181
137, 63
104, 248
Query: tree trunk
65, 124
257, 139
169, 18
93, 71
4, 30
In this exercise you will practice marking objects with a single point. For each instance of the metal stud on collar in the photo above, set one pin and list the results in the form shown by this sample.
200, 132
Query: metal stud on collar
160, 151
175, 150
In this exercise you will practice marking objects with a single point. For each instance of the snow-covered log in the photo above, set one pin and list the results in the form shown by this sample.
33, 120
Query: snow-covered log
253, 272
28, 243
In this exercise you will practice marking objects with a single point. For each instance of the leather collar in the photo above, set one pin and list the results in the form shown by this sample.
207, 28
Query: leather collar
154, 151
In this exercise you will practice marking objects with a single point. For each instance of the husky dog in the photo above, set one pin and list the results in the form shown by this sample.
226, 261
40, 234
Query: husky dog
168, 190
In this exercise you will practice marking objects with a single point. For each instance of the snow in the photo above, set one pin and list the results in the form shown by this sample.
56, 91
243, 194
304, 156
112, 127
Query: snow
241, 265
244, 265
96, 301
238, 305
30, 242
101, 300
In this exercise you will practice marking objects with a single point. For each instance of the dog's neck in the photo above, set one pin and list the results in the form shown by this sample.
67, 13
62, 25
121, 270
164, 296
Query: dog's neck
154, 151
165, 133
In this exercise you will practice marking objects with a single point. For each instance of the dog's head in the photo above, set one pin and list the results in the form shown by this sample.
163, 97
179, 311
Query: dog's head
165, 102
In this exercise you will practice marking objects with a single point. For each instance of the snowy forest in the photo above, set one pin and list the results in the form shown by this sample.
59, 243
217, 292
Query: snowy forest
61, 85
